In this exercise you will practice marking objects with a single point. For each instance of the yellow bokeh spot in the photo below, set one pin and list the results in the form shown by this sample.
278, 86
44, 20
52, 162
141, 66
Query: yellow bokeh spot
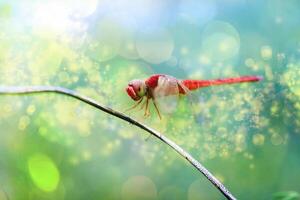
240, 141
86, 155
225, 45
74, 160
204, 59
84, 127
258, 139
30, 109
43, 172
126, 134
248, 156
224, 151
184, 51
291, 78
276, 139
109, 147
23, 122
269, 72
280, 56
249, 62
266, 52
274, 108
130, 46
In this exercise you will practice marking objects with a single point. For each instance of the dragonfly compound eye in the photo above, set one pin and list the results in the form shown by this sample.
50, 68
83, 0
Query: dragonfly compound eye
130, 91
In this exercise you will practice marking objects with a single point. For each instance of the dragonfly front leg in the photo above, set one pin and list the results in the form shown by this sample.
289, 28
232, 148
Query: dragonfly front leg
135, 105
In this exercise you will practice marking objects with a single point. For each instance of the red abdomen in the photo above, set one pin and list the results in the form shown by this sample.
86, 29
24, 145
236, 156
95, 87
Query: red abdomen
196, 84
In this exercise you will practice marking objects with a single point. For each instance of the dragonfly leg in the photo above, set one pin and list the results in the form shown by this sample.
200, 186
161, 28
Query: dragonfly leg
135, 105
143, 105
156, 108
147, 112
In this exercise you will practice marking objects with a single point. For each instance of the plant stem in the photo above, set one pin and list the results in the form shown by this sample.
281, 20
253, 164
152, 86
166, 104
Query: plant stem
12, 90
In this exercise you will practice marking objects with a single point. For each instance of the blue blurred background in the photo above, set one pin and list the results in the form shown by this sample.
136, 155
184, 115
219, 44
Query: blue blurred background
248, 135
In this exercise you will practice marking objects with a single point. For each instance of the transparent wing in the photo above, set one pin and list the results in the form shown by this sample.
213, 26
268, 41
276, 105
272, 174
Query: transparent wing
192, 99
166, 94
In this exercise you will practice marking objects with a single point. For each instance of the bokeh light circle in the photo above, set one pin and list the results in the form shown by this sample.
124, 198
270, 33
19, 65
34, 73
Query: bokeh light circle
266, 52
43, 172
139, 187
258, 139
155, 45
220, 41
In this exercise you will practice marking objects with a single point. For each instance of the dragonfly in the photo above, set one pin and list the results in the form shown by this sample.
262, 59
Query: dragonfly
161, 85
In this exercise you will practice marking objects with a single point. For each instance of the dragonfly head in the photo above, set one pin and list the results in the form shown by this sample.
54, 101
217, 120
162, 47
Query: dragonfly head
136, 89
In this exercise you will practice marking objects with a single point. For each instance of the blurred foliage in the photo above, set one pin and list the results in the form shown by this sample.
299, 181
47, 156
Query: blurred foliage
248, 135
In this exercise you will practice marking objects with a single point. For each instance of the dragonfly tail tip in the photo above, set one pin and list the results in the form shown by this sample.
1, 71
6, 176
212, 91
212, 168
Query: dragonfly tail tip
260, 78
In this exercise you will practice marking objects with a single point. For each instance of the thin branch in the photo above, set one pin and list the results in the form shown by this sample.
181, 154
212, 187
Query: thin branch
11, 90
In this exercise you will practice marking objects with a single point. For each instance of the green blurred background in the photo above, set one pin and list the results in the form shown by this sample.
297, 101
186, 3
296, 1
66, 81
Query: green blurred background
248, 135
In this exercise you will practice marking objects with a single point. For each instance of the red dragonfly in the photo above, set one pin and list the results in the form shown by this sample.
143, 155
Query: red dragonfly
161, 85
